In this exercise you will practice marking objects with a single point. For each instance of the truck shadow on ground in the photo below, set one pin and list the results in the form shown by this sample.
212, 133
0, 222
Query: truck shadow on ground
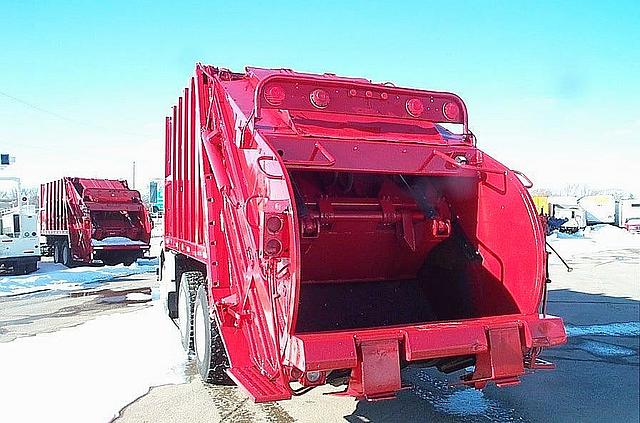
596, 379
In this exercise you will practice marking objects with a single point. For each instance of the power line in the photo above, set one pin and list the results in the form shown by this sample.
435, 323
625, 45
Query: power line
65, 118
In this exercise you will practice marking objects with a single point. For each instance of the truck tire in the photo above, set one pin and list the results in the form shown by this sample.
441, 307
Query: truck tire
211, 357
30, 268
65, 257
57, 253
189, 283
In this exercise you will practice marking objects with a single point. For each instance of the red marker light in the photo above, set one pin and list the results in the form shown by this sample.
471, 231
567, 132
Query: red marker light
274, 224
414, 107
451, 111
273, 247
319, 98
274, 95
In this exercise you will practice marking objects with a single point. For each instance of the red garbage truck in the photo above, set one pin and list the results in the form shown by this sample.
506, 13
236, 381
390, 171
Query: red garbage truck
93, 221
321, 228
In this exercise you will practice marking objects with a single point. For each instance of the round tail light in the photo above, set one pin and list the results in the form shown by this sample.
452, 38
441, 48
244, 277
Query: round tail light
274, 224
451, 111
319, 98
274, 95
415, 107
273, 247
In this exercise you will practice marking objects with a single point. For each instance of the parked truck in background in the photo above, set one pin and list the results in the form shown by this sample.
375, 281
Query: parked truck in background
321, 228
19, 240
567, 208
93, 220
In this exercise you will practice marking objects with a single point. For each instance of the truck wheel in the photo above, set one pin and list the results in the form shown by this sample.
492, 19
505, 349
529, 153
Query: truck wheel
57, 253
66, 255
211, 356
30, 268
189, 282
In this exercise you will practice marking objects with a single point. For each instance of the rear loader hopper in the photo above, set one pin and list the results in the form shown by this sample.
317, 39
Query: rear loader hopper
320, 227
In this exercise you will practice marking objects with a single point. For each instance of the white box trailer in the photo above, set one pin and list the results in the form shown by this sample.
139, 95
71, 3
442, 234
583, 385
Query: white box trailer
628, 213
599, 209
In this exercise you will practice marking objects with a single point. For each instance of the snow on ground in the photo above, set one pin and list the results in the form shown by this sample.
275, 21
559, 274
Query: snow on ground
605, 259
594, 238
58, 277
89, 372
115, 240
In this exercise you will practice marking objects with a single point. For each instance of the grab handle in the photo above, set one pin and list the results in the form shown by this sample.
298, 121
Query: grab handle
522, 176
263, 170
317, 148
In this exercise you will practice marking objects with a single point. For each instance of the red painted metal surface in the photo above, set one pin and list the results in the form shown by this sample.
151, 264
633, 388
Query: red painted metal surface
82, 210
388, 243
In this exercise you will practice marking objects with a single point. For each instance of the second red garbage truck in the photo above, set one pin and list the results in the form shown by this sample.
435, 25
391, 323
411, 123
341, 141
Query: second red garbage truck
93, 221
321, 228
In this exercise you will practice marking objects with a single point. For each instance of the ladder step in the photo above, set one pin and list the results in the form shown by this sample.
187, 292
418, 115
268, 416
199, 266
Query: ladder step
258, 386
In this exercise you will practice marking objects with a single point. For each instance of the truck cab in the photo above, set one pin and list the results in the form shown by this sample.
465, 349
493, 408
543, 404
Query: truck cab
19, 245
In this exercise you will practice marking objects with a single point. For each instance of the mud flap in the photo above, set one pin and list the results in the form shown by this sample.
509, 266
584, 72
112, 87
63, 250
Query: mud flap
502, 363
377, 375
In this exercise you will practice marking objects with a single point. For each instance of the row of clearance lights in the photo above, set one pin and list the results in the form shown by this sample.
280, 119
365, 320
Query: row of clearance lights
319, 98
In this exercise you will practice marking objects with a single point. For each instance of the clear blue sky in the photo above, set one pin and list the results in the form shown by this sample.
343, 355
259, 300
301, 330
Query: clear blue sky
552, 88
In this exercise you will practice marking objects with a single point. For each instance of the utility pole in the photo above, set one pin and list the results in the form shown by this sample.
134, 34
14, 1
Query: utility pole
133, 181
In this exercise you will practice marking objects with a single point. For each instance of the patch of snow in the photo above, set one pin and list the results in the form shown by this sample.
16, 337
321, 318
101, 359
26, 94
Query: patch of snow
137, 296
610, 329
603, 349
59, 277
597, 238
466, 402
461, 402
115, 240
89, 372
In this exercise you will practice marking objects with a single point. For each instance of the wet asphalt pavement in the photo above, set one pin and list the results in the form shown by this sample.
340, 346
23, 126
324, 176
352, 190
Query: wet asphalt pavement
597, 375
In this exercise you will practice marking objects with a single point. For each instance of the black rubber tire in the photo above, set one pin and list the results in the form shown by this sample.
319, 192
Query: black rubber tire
30, 268
211, 356
189, 283
172, 305
65, 257
57, 247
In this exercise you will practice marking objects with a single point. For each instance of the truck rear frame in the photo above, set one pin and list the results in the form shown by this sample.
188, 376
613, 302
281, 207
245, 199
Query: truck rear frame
331, 226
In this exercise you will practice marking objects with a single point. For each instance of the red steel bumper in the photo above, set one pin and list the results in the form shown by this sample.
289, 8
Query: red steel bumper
498, 343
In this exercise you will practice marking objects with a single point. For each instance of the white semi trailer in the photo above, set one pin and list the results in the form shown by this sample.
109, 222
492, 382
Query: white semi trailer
599, 209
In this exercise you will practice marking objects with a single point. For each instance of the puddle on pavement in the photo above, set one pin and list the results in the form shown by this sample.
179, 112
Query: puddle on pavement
467, 404
609, 329
603, 349
121, 296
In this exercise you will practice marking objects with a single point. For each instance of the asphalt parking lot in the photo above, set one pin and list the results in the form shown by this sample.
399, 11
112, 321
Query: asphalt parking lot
596, 379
